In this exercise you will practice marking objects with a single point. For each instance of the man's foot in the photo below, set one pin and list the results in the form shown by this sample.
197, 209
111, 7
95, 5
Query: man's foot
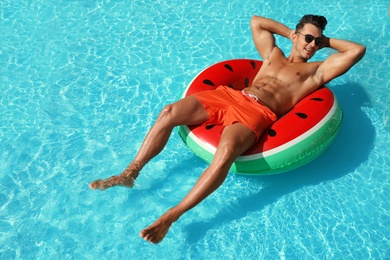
119, 180
125, 179
156, 232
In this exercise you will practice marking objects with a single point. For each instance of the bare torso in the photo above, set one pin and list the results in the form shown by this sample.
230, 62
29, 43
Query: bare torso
281, 84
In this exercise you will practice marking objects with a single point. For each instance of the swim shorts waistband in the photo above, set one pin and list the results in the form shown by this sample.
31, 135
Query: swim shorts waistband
254, 97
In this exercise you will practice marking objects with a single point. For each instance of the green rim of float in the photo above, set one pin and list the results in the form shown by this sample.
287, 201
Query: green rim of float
296, 152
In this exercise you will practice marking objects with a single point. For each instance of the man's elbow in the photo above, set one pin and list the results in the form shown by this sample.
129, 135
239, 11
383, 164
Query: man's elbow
360, 51
356, 53
256, 21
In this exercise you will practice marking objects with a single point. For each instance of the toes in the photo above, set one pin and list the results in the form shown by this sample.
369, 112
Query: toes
94, 184
150, 236
147, 236
98, 184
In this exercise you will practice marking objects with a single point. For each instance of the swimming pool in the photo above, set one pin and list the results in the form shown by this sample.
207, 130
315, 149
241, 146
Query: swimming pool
83, 81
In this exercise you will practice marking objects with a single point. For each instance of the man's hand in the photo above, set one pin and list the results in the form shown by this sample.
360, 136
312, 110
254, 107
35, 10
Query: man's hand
324, 43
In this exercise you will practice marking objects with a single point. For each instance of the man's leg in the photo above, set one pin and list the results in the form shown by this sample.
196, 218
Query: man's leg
235, 140
187, 111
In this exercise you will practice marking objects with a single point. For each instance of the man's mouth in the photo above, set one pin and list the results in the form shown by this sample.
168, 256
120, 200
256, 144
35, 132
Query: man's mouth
309, 50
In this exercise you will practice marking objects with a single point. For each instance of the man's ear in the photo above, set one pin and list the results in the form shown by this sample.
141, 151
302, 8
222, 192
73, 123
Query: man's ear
293, 36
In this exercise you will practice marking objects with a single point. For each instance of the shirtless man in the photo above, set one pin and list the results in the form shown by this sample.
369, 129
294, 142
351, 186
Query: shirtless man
280, 84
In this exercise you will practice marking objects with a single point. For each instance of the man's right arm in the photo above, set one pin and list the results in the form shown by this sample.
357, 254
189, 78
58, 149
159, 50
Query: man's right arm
348, 54
262, 33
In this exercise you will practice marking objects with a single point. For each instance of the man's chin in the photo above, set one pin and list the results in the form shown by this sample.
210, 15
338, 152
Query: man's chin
308, 56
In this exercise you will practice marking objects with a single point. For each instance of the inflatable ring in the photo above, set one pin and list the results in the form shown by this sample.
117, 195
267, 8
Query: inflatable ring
295, 139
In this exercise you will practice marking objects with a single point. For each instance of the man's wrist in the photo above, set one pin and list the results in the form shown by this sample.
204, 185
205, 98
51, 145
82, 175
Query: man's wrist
325, 42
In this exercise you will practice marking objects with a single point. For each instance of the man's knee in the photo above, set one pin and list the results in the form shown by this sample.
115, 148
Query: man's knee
228, 152
167, 114
187, 111
236, 140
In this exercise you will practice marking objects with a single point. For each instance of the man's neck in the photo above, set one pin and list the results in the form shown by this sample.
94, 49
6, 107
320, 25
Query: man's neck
295, 59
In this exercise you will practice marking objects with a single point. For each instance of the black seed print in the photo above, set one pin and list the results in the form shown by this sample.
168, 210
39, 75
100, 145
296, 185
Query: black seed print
246, 82
208, 82
301, 115
228, 67
208, 127
253, 64
271, 132
231, 86
317, 99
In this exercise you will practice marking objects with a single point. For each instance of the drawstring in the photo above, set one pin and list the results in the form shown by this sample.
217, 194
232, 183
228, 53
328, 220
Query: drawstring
251, 96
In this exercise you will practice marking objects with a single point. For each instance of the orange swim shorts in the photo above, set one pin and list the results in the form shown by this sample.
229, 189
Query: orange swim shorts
227, 106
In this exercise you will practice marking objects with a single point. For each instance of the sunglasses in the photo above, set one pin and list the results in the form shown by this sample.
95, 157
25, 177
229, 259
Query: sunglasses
309, 38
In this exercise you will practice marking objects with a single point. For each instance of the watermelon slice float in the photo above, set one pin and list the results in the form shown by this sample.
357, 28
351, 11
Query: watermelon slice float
295, 139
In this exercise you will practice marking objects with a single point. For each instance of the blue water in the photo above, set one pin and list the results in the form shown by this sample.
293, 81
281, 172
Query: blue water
81, 83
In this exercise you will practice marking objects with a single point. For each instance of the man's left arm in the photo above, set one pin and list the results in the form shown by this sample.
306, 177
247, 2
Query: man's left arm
348, 54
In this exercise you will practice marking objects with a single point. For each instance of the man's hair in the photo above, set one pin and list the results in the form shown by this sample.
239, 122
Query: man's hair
316, 20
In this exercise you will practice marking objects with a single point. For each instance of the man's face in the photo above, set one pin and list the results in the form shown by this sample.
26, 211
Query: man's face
307, 41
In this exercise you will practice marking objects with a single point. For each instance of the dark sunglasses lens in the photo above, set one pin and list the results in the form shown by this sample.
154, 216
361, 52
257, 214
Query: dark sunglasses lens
309, 38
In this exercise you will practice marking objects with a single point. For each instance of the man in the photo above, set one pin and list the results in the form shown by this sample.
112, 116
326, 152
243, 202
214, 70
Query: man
278, 86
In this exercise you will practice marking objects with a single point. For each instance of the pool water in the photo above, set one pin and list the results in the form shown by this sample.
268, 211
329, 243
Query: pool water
82, 82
